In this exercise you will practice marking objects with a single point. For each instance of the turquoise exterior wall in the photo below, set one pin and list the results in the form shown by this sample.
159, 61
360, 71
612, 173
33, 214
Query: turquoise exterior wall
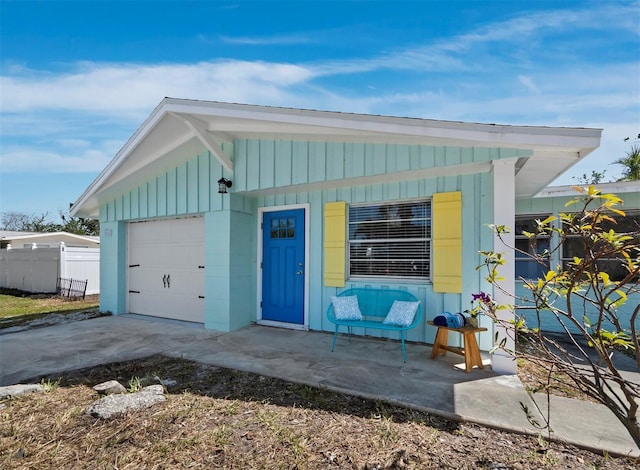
231, 274
113, 252
190, 188
277, 167
556, 205
217, 304
477, 197
261, 164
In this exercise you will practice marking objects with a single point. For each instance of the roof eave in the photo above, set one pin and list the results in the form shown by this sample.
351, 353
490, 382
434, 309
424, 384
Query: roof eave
338, 126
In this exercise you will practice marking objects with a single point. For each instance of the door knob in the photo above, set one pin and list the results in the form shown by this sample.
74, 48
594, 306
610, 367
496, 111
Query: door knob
300, 273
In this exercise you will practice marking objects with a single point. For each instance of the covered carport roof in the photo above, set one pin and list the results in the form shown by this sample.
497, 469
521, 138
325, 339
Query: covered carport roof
179, 129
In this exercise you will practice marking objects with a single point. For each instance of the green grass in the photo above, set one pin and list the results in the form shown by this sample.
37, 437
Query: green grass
17, 304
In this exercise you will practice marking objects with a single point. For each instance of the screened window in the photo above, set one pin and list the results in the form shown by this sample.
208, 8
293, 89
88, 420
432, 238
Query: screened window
574, 245
526, 266
391, 240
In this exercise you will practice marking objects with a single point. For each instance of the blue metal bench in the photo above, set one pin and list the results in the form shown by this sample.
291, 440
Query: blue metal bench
374, 305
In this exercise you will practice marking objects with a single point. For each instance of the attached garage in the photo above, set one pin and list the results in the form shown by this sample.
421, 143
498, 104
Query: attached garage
165, 268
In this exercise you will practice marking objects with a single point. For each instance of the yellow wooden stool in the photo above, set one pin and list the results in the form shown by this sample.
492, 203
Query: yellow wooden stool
470, 349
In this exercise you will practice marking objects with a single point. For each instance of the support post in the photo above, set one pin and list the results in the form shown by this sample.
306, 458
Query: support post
62, 268
504, 209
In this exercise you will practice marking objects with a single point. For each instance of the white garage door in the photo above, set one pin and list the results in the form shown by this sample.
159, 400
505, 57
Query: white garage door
166, 268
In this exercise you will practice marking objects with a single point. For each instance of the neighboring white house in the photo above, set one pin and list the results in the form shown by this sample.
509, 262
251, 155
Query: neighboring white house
46, 240
34, 262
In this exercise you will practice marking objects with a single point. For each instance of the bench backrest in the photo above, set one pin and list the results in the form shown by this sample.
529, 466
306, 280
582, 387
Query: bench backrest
377, 302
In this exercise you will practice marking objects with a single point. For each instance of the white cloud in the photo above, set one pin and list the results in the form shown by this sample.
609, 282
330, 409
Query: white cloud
74, 143
528, 83
281, 40
21, 159
77, 120
521, 28
131, 88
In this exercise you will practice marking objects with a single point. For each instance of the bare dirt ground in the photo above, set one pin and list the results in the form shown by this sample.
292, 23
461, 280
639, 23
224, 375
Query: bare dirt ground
220, 418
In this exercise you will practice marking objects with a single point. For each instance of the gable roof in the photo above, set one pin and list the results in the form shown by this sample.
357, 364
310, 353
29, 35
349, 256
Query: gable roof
4, 234
12, 236
179, 129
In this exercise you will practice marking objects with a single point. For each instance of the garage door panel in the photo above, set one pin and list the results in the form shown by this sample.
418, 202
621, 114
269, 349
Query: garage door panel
195, 254
178, 307
184, 281
145, 232
145, 279
182, 256
146, 256
165, 277
196, 309
187, 254
196, 226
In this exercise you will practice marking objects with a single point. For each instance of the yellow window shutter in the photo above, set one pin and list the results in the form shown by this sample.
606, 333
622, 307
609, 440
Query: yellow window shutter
447, 242
335, 243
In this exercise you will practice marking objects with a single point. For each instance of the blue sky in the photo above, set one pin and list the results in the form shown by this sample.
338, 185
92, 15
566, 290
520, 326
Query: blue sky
77, 78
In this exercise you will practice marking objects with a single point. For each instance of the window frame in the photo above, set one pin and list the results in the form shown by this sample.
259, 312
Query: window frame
523, 260
426, 240
565, 259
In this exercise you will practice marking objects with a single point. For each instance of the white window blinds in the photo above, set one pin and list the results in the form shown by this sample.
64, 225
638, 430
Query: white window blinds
391, 240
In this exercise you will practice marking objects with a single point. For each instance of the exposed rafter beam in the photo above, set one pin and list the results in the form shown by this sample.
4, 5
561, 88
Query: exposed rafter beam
198, 127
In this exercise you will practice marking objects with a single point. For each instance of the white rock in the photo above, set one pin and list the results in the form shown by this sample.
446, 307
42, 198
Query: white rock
12, 391
109, 388
114, 405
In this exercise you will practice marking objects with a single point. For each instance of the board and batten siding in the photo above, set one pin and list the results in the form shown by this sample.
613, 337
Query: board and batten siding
191, 188
477, 194
268, 164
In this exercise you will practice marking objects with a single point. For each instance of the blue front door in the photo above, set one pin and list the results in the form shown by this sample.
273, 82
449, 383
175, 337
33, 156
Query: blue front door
283, 266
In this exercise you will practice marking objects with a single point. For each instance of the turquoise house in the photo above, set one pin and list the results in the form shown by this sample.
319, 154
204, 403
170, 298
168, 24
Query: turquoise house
229, 214
552, 201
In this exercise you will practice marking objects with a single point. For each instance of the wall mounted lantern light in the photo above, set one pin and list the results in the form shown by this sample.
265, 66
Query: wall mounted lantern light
223, 184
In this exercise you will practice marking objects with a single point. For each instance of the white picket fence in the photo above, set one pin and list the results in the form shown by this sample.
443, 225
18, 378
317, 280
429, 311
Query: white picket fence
38, 269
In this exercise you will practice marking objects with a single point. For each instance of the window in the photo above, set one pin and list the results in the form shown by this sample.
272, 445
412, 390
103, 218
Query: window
283, 228
391, 240
527, 267
574, 245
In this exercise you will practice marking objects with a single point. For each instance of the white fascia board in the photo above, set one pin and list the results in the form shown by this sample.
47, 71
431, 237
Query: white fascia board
54, 235
615, 187
275, 120
490, 134
156, 115
14, 233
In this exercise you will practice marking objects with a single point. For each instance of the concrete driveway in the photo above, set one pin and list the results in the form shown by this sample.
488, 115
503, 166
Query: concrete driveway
366, 367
